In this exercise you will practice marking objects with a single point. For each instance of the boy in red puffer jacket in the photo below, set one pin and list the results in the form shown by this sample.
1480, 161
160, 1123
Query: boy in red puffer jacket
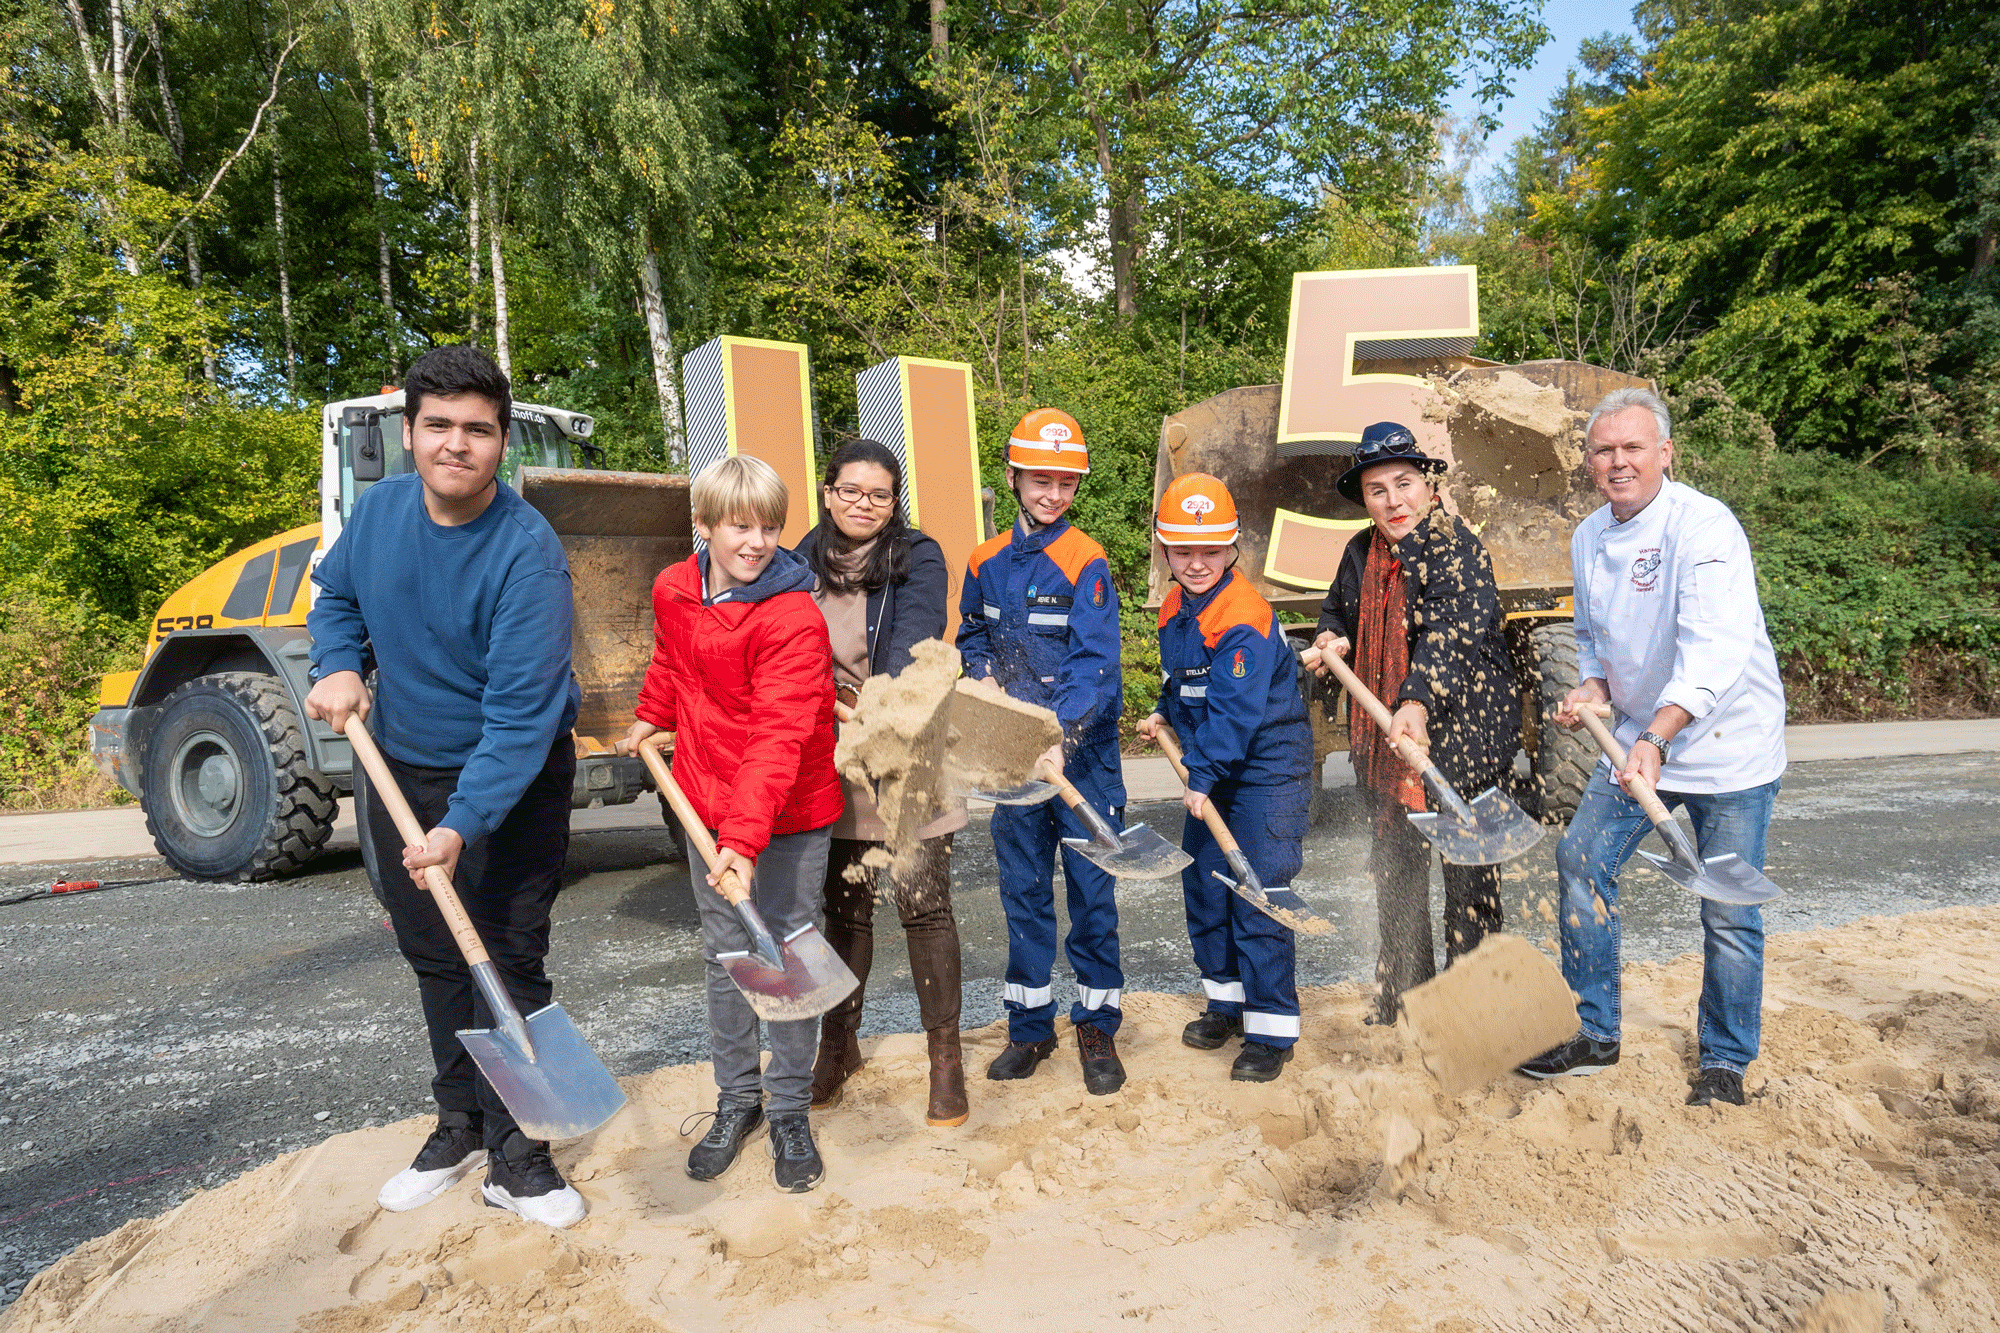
743, 672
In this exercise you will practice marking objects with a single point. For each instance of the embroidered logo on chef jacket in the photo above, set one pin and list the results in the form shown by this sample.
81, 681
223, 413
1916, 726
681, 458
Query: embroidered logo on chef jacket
1646, 570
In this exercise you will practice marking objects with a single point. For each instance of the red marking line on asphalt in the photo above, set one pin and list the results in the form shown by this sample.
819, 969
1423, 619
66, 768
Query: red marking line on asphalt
114, 1184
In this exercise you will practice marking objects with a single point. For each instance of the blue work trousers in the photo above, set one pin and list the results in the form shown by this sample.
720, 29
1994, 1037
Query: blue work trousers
1608, 827
1247, 960
1025, 842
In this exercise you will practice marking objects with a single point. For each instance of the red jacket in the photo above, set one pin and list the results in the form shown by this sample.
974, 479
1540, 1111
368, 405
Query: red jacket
747, 683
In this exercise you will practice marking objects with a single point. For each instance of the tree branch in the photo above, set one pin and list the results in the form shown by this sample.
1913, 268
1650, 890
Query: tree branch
249, 137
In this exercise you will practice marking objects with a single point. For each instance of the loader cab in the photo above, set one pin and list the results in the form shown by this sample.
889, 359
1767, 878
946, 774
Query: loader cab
361, 443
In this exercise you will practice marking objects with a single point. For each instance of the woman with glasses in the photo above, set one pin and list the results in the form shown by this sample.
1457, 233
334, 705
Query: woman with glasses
882, 589
1415, 605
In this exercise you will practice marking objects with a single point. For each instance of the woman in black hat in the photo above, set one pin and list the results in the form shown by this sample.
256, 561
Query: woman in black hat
1415, 605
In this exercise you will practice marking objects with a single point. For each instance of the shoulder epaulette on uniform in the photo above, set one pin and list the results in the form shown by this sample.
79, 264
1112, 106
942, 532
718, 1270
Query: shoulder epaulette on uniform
1071, 552
1170, 605
1237, 604
987, 549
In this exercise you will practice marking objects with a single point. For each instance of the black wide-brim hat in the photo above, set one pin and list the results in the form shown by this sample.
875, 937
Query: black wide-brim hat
1384, 442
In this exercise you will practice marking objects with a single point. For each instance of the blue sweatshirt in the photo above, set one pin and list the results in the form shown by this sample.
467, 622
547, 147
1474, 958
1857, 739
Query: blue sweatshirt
471, 629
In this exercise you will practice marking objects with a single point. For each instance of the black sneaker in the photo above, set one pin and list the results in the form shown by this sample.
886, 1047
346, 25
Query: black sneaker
522, 1178
1103, 1071
734, 1123
1258, 1063
1021, 1058
450, 1154
797, 1167
1208, 1032
1716, 1085
1579, 1055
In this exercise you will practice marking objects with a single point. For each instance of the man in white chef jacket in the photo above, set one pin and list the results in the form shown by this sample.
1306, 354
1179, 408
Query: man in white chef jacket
1670, 632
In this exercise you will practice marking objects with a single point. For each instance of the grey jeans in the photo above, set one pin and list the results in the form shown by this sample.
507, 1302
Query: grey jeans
786, 890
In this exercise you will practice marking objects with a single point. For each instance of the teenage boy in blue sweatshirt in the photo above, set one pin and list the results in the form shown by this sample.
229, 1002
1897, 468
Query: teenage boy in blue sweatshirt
459, 594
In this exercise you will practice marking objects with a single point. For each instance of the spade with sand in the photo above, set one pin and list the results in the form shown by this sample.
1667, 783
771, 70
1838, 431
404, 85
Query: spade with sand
545, 1072
1724, 879
925, 731
1283, 906
783, 980
1486, 831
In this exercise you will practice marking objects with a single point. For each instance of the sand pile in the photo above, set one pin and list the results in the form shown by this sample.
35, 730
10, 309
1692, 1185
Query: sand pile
1860, 1189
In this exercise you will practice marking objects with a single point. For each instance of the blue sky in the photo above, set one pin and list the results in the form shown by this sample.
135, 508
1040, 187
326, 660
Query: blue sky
1569, 22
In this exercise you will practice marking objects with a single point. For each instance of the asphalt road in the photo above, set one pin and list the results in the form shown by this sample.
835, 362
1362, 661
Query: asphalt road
163, 1038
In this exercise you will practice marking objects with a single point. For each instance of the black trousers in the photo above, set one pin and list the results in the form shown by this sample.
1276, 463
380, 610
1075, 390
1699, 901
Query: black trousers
1401, 866
508, 882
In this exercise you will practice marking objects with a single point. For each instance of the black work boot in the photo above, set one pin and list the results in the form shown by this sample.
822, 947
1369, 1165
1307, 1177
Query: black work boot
1258, 1063
1211, 1030
1103, 1071
1581, 1054
1021, 1058
734, 1122
1716, 1085
796, 1163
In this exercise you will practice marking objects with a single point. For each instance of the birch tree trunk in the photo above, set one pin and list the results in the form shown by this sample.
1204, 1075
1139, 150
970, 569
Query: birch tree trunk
284, 273
661, 340
382, 272
502, 353
472, 234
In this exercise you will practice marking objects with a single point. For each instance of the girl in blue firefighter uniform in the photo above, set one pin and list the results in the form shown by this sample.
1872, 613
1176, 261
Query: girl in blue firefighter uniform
1039, 619
1231, 694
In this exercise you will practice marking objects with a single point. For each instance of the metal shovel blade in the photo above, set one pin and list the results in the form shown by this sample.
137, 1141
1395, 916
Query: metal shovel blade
564, 1092
1140, 853
1032, 792
1498, 831
1724, 879
812, 981
1283, 906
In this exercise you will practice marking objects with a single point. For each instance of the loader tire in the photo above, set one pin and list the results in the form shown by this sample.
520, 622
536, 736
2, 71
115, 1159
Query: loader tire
1563, 759
229, 792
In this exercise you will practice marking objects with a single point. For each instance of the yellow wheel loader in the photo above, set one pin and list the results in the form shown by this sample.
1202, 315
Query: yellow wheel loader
210, 733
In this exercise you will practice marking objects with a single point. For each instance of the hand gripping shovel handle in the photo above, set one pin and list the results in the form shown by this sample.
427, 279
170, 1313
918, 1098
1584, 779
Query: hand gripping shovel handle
1100, 828
1412, 753
1593, 716
1210, 815
506, 1013
732, 888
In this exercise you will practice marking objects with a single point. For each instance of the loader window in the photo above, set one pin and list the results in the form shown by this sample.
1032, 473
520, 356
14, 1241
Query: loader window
534, 441
395, 459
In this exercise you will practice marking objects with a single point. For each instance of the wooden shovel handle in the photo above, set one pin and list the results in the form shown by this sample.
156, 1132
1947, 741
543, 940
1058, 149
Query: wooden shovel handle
1209, 815
1413, 754
1593, 721
412, 833
732, 888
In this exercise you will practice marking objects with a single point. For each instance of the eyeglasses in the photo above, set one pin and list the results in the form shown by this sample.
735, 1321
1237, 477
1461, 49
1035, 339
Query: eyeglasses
854, 495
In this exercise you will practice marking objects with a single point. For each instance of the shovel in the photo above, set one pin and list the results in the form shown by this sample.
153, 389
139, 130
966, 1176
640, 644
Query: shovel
1282, 905
543, 1069
1136, 853
784, 981
1487, 832
1724, 879
1032, 792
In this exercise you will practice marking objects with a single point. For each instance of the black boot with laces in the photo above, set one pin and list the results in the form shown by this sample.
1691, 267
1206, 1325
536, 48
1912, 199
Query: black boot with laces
797, 1164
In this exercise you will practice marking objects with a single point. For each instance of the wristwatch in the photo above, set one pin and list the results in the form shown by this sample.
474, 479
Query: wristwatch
1658, 742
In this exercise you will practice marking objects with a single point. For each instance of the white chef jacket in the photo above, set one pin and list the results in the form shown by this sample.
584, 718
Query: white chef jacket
1667, 613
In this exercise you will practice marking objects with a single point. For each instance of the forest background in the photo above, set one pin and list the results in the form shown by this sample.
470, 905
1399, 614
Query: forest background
218, 214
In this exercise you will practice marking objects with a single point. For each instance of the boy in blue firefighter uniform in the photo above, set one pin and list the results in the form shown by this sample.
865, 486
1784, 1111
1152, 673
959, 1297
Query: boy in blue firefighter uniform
1038, 617
1231, 694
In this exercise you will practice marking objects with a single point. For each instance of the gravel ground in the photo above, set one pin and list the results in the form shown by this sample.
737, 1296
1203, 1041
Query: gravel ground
164, 1038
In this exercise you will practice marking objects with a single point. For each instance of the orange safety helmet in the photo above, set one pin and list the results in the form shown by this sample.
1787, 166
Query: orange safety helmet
1048, 440
1196, 510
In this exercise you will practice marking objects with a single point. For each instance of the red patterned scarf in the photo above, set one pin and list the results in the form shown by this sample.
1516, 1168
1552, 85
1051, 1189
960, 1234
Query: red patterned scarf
1382, 660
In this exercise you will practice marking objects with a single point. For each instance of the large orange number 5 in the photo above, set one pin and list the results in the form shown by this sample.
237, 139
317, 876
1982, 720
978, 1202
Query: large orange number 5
1384, 314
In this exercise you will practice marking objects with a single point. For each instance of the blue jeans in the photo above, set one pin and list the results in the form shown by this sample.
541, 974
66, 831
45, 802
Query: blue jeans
1608, 827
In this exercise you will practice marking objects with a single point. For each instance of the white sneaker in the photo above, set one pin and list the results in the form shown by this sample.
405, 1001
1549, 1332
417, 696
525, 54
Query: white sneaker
527, 1184
448, 1156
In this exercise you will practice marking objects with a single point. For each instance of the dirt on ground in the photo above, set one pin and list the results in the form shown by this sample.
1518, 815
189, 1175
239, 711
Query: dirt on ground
1858, 1189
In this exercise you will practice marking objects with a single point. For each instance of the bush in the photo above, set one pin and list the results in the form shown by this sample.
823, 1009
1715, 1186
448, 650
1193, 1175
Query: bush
51, 655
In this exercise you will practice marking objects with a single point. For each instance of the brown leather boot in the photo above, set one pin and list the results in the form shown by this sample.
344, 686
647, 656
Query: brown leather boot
948, 1105
838, 1059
